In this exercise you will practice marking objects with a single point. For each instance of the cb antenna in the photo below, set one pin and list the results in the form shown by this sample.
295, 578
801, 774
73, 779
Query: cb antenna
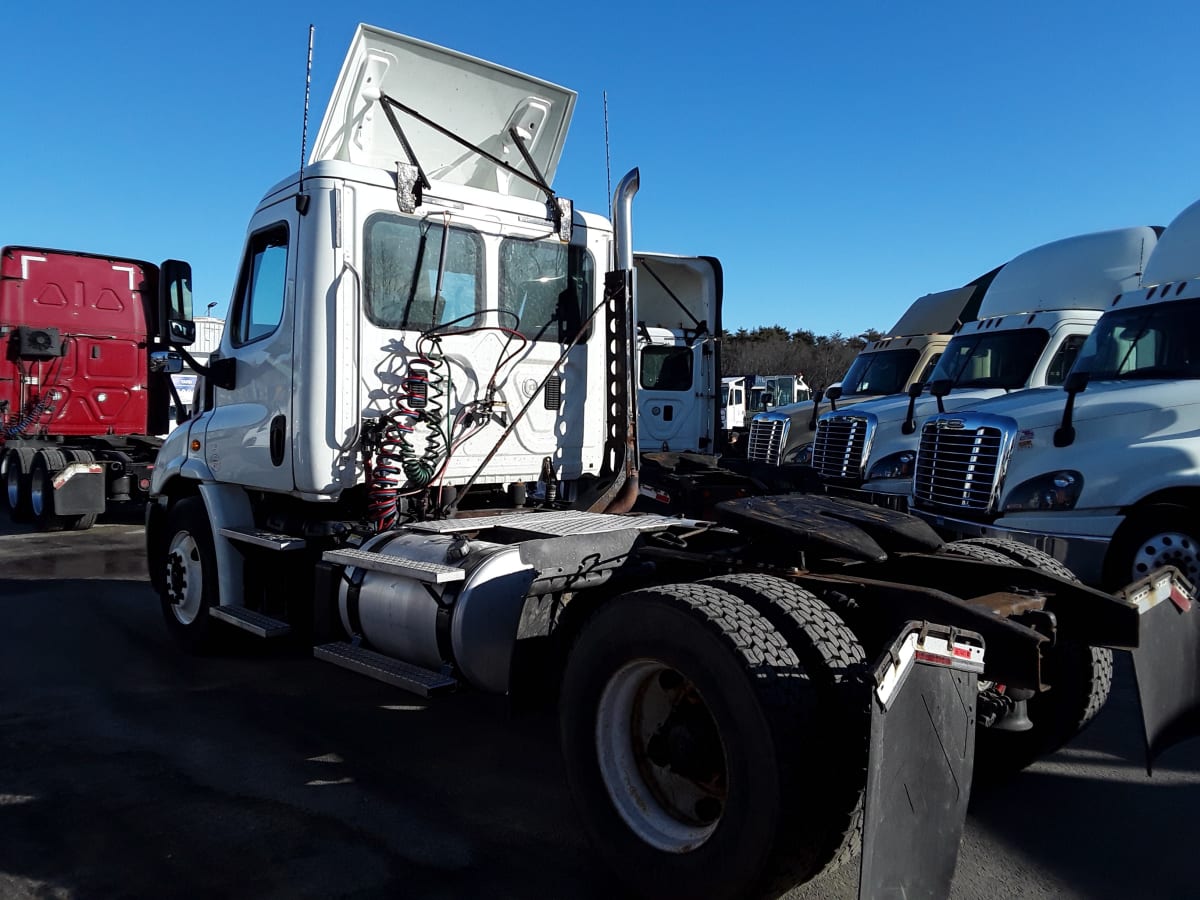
607, 158
301, 197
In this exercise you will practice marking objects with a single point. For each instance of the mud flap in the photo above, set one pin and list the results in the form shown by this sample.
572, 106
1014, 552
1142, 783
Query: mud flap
922, 757
1166, 663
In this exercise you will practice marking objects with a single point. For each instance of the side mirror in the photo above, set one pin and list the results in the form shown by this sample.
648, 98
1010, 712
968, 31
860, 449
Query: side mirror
166, 362
1076, 383
175, 325
817, 397
940, 389
914, 392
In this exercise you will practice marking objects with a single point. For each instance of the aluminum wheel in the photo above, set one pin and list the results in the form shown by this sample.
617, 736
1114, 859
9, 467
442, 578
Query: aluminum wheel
661, 756
1168, 548
185, 577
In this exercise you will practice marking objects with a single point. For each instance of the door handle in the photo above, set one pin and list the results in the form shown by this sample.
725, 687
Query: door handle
278, 425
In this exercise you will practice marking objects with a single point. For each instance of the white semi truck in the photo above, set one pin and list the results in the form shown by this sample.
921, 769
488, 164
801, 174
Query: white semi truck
1034, 318
906, 356
1108, 478
413, 452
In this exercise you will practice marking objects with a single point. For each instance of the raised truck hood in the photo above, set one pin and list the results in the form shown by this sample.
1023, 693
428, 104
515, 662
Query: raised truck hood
477, 100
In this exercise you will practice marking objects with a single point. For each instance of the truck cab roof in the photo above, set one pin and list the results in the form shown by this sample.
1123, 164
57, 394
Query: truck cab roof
1081, 272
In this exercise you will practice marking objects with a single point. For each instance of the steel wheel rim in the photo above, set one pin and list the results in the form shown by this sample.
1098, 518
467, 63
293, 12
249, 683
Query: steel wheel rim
12, 483
185, 577
665, 809
1168, 548
37, 493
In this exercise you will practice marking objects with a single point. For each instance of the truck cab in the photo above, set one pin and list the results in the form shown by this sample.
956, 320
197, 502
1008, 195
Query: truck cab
1105, 474
1034, 318
884, 367
679, 317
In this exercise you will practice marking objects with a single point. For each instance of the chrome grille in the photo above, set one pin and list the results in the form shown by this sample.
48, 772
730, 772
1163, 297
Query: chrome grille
841, 445
768, 437
961, 462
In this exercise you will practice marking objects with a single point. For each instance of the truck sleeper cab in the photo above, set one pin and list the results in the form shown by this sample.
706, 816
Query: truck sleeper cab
1034, 318
1106, 475
884, 367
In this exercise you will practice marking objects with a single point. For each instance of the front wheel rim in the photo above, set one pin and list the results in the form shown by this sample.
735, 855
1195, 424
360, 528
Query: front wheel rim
661, 757
185, 578
1168, 548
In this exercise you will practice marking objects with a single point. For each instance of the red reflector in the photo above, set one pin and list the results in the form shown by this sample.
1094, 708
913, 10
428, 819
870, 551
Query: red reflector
936, 658
962, 652
145, 484
1180, 599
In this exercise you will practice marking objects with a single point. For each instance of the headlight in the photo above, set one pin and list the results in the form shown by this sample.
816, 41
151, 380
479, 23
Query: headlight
895, 465
801, 456
1052, 491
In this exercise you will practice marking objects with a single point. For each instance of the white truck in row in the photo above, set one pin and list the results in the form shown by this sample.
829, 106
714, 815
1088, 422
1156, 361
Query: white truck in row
414, 453
1106, 474
889, 365
1034, 318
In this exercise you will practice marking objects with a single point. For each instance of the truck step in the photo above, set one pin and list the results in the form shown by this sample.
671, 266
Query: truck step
385, 668
260, 538
249, 620
429, 572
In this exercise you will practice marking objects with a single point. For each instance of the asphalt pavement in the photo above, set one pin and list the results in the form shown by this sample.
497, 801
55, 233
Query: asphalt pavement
128, 769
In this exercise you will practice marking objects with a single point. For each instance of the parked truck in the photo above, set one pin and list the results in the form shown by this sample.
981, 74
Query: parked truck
1106, 479
887, 366
415, 451
84, 396
1031, 324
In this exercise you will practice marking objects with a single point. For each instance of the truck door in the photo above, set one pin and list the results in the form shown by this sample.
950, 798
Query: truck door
679, 305
248, 435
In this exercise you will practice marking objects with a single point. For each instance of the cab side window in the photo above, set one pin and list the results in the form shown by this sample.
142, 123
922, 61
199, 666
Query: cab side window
1064, 358
258, 303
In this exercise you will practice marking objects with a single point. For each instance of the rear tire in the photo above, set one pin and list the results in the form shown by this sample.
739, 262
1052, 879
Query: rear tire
688, 730
834, 661
1022, 554
46, 465
17, 464
1079, 675
190, 583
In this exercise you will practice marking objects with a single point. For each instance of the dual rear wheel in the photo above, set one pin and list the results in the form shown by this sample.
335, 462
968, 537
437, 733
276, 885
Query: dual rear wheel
28, 482
712, 736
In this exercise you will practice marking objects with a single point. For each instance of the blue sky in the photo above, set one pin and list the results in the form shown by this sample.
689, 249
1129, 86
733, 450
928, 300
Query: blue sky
839, 159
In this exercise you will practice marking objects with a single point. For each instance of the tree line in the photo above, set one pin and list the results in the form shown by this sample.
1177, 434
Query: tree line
774, 350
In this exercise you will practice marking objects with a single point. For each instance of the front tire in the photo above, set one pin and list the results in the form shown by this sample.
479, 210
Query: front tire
190, 580
1152, 537
682, 720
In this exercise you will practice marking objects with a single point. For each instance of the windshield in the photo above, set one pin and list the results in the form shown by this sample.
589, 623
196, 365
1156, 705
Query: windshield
1161, 340
884, 372
996, 359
